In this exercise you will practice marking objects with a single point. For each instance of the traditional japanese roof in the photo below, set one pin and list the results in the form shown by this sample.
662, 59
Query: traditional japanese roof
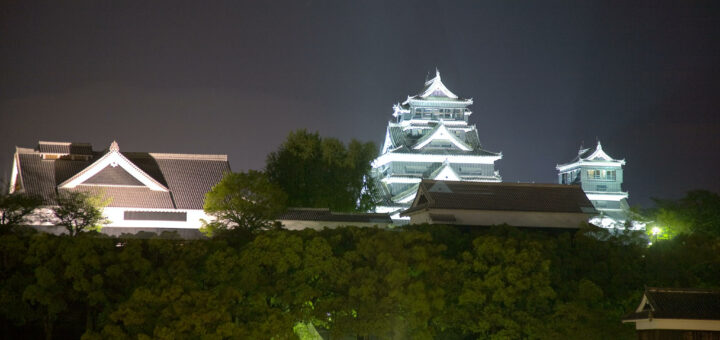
407, 195
445, 172
441, 132
401, 141
434, 194
677, 303
65, 148
129, 179
435, 90
325, 215
591, 156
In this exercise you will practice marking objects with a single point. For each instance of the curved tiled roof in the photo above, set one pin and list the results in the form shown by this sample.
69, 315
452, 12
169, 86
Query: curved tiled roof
187, 177
503, 197
678, 303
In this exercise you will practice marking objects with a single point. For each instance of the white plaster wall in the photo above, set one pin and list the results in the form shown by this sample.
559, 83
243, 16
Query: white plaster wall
116, 217
44, 217
687, 324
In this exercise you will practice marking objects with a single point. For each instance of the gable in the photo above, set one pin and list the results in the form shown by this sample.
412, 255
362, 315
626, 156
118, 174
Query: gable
447, 174
127, 173
441, 133
435, 88
113, 175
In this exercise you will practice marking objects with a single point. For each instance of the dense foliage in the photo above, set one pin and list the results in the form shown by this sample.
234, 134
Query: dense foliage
419, 283
318, 172
245, 200
697, 212
79, 212
15, 208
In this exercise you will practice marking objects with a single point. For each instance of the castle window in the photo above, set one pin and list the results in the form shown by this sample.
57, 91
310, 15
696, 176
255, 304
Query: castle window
610, 175
593, 174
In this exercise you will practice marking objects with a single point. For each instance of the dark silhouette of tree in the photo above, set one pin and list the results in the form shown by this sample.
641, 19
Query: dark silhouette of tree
320, 172
15, 208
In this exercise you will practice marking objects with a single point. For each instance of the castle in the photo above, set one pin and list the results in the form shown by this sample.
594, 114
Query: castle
431, 138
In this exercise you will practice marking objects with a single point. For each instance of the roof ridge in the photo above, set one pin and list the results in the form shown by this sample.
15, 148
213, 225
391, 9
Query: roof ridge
20, 149
63, 143
213, 157
524, 184
683, 290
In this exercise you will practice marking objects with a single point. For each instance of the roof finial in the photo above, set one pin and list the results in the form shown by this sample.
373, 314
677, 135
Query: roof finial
599, 146
437, 73
114, 146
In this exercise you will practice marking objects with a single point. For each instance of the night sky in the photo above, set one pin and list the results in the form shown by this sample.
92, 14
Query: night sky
234, 78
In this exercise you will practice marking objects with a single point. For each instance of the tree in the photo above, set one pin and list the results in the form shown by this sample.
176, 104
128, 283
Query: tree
503, 289
244, 200
320, 172
14, 208
697, 212
78, 212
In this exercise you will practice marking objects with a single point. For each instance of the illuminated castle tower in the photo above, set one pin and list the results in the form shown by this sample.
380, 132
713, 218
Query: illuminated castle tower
430, 138
601, 178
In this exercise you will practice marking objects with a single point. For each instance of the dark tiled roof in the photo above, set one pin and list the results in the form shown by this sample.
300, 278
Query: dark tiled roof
38, 176
66, 168
113, 176
188, 177
503, 196
397, 135
674, 303
130, 197
307, 214
65, 148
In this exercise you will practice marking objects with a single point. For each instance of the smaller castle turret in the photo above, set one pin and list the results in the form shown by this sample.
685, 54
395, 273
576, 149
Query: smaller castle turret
601, 177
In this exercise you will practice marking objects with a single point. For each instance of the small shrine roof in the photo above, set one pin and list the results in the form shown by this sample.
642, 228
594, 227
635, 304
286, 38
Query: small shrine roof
677, 303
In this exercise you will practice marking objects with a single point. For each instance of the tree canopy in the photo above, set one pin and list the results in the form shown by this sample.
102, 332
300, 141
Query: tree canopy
424, 282
318, 172
416, 282
78, 211
697, 212
244, 200
15, 208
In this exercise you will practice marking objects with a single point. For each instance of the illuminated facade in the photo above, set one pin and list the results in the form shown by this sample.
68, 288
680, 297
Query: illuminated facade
601, 178
430, 139
152, 192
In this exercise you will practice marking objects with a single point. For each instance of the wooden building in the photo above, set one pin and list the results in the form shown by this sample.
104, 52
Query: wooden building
672, 313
